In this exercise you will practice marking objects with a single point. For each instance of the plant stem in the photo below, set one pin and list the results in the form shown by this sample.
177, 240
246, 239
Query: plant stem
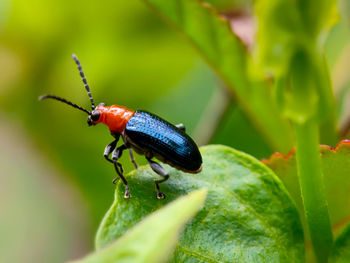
312, 188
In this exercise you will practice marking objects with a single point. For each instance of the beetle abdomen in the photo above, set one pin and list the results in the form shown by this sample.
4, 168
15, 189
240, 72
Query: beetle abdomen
151, 133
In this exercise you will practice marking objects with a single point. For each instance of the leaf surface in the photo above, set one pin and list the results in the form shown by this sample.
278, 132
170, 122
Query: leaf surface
248, 215
142, 243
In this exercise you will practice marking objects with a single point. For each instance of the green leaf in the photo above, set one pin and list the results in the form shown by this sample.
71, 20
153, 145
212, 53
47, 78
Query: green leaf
341, 247
335, 168
288, 26
212, 36
248, 215
280, 27
153, 239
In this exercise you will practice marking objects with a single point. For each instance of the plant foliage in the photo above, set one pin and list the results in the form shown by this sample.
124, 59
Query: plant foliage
248, 215
154, 238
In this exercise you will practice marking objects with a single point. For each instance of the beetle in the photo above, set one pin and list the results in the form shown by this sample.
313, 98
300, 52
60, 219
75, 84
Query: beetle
142, 132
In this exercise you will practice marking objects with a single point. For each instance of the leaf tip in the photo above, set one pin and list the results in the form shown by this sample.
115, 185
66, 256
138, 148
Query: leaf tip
198, 196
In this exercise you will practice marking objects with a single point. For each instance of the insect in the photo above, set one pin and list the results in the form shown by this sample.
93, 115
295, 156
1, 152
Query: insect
142, 132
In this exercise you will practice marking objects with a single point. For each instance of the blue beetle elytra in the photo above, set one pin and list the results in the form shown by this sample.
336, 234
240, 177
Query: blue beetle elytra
143, 132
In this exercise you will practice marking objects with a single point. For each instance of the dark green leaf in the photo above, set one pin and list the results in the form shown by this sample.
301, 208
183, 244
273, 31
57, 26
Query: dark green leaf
248, 216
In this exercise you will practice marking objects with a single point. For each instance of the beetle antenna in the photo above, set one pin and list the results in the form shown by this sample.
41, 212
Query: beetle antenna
84, 80
64, 101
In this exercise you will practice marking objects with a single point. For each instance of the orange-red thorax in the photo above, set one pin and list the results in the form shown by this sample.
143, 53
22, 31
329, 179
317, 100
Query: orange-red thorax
115, 117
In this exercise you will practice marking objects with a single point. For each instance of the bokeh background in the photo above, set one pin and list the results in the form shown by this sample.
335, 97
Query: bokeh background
55, 185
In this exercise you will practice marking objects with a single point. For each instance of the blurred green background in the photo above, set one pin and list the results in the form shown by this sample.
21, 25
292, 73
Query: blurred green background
55, 185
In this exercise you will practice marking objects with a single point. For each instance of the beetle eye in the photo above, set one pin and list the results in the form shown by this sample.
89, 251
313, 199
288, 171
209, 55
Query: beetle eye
95, 115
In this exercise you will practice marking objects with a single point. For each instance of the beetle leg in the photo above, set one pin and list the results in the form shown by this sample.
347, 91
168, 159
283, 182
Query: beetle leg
117, 153
181, 127
133, 158
130, 151
156, 167
109, 149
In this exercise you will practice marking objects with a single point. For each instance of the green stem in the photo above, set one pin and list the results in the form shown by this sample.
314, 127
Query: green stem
312, 188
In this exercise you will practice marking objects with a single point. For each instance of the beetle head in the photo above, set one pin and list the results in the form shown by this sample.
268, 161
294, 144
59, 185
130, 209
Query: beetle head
93, 117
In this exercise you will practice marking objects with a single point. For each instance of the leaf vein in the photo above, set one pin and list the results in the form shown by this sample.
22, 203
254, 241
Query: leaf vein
197, 255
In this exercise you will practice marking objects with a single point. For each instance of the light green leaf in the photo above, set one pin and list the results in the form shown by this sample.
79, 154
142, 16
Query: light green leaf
341, 248
212, 36
286, 27
280, 30
153, 239
248, 215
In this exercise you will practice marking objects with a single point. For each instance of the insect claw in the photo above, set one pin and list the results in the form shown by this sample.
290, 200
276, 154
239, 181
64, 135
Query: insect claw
127, 193
160, 195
